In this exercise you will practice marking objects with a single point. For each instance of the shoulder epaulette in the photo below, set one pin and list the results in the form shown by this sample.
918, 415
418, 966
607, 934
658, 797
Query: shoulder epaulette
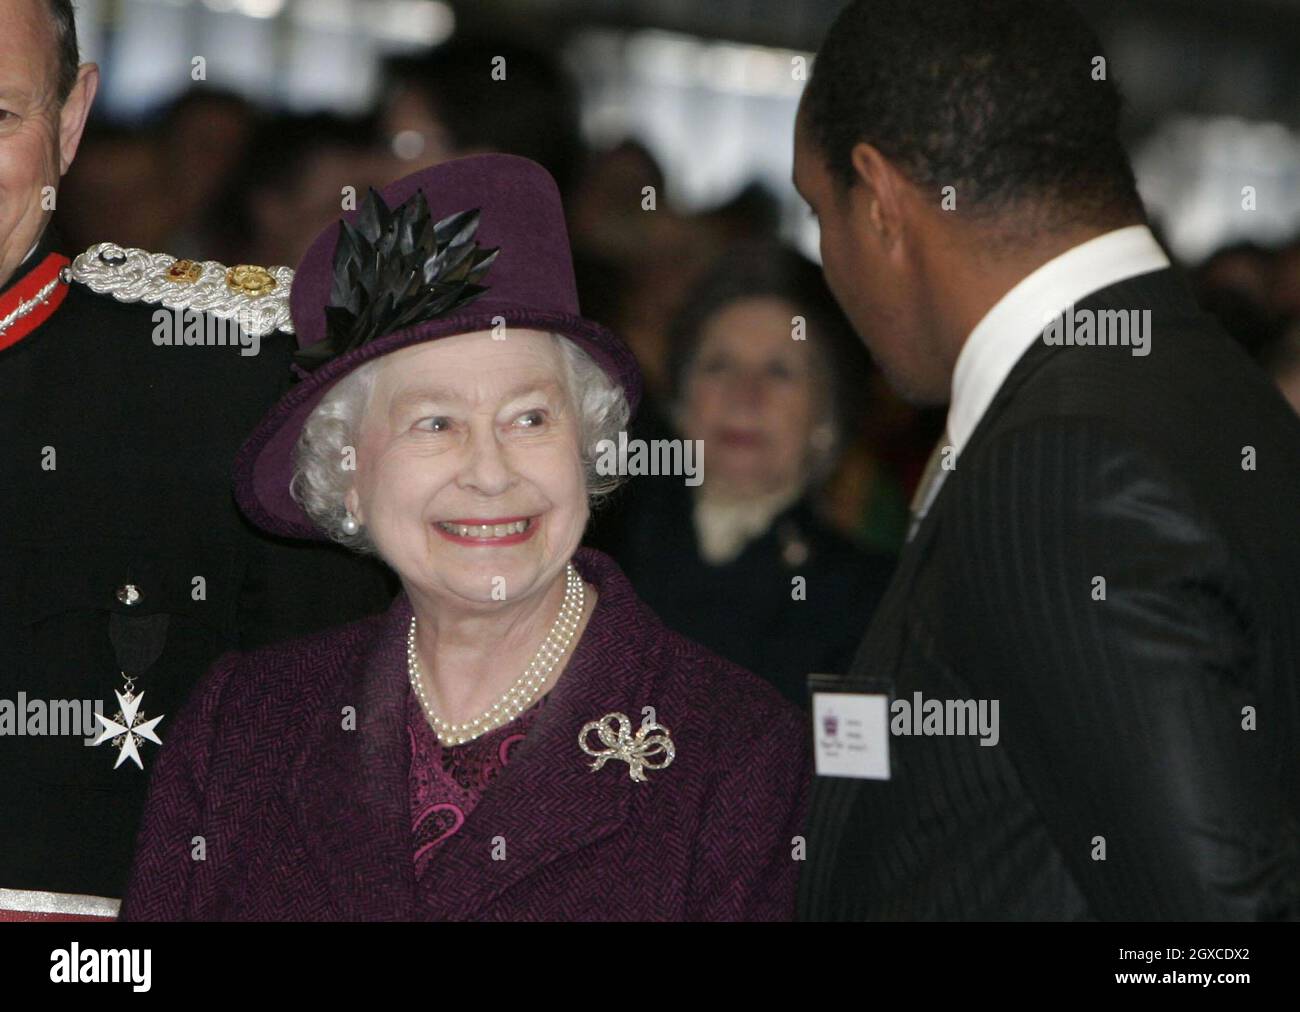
258, 297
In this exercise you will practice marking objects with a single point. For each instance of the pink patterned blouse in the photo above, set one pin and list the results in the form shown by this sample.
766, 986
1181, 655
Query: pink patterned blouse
446, 783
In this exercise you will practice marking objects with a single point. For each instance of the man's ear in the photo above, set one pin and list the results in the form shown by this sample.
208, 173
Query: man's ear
881, 188
75, 112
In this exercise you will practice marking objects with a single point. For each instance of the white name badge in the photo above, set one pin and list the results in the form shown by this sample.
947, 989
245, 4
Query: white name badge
851, 734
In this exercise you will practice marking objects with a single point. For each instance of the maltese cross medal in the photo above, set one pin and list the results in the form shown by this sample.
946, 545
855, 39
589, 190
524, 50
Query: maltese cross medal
127, 728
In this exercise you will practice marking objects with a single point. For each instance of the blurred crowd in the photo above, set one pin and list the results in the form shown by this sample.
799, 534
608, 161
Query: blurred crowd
1255, 294
811, 458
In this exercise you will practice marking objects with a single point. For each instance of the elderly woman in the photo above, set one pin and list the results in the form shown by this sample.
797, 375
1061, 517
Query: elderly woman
518, 737
767, 377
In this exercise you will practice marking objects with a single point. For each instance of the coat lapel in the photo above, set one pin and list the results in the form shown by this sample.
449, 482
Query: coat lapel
348, 789
880, 655
881, 647
548, 802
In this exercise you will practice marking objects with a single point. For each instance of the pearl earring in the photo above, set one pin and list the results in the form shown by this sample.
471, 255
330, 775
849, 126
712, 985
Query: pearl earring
350, 525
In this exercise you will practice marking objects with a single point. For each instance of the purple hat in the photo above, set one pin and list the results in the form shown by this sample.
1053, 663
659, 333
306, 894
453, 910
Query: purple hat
528, 284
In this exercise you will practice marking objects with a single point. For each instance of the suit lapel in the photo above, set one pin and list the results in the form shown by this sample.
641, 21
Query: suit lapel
347, 789
881, 654
548, 802
882, 645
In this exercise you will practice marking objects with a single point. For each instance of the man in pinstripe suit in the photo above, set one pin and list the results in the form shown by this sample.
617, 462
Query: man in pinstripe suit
1108, 541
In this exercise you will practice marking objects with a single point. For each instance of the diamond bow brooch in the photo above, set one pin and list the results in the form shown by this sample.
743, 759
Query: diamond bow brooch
650, 748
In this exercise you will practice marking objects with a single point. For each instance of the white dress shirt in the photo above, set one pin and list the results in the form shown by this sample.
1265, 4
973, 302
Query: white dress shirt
1015, 321
1018, 318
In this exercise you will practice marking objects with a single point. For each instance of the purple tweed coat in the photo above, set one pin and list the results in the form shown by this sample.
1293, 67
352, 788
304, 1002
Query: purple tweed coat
301, 819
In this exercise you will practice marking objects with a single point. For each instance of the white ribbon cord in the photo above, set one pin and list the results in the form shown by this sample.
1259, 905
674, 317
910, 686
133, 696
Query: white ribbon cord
24, 308
30, 901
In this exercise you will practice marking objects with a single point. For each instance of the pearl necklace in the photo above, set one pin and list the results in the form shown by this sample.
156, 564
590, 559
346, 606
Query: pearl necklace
525, 690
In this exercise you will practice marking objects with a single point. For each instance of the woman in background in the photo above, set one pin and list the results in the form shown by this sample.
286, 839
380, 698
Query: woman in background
764, 373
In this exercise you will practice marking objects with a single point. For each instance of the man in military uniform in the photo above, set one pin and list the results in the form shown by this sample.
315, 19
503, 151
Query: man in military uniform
127, 383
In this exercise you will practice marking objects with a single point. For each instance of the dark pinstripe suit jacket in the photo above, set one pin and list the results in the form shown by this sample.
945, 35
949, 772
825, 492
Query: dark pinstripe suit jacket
1124, 721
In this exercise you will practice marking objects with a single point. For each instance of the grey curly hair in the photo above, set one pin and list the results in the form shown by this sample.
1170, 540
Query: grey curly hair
325, 457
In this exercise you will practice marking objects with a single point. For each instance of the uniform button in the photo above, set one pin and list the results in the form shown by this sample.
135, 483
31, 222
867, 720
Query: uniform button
129, 594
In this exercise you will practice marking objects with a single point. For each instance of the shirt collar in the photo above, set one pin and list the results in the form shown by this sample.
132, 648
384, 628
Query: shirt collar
1015, 321
724, 527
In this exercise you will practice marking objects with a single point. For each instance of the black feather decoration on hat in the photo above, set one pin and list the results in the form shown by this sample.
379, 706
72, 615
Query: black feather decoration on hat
396, 268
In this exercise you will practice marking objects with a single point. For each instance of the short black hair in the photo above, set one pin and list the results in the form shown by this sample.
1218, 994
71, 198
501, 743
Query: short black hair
996, 98
64, 20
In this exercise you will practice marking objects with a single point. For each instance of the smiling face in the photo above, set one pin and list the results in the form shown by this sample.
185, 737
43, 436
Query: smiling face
38, 134
469, 468
750, 395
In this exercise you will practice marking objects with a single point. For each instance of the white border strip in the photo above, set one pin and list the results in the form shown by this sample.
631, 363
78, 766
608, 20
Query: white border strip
29, 901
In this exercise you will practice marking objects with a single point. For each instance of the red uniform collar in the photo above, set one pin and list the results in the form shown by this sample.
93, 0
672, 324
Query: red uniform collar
32, 299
